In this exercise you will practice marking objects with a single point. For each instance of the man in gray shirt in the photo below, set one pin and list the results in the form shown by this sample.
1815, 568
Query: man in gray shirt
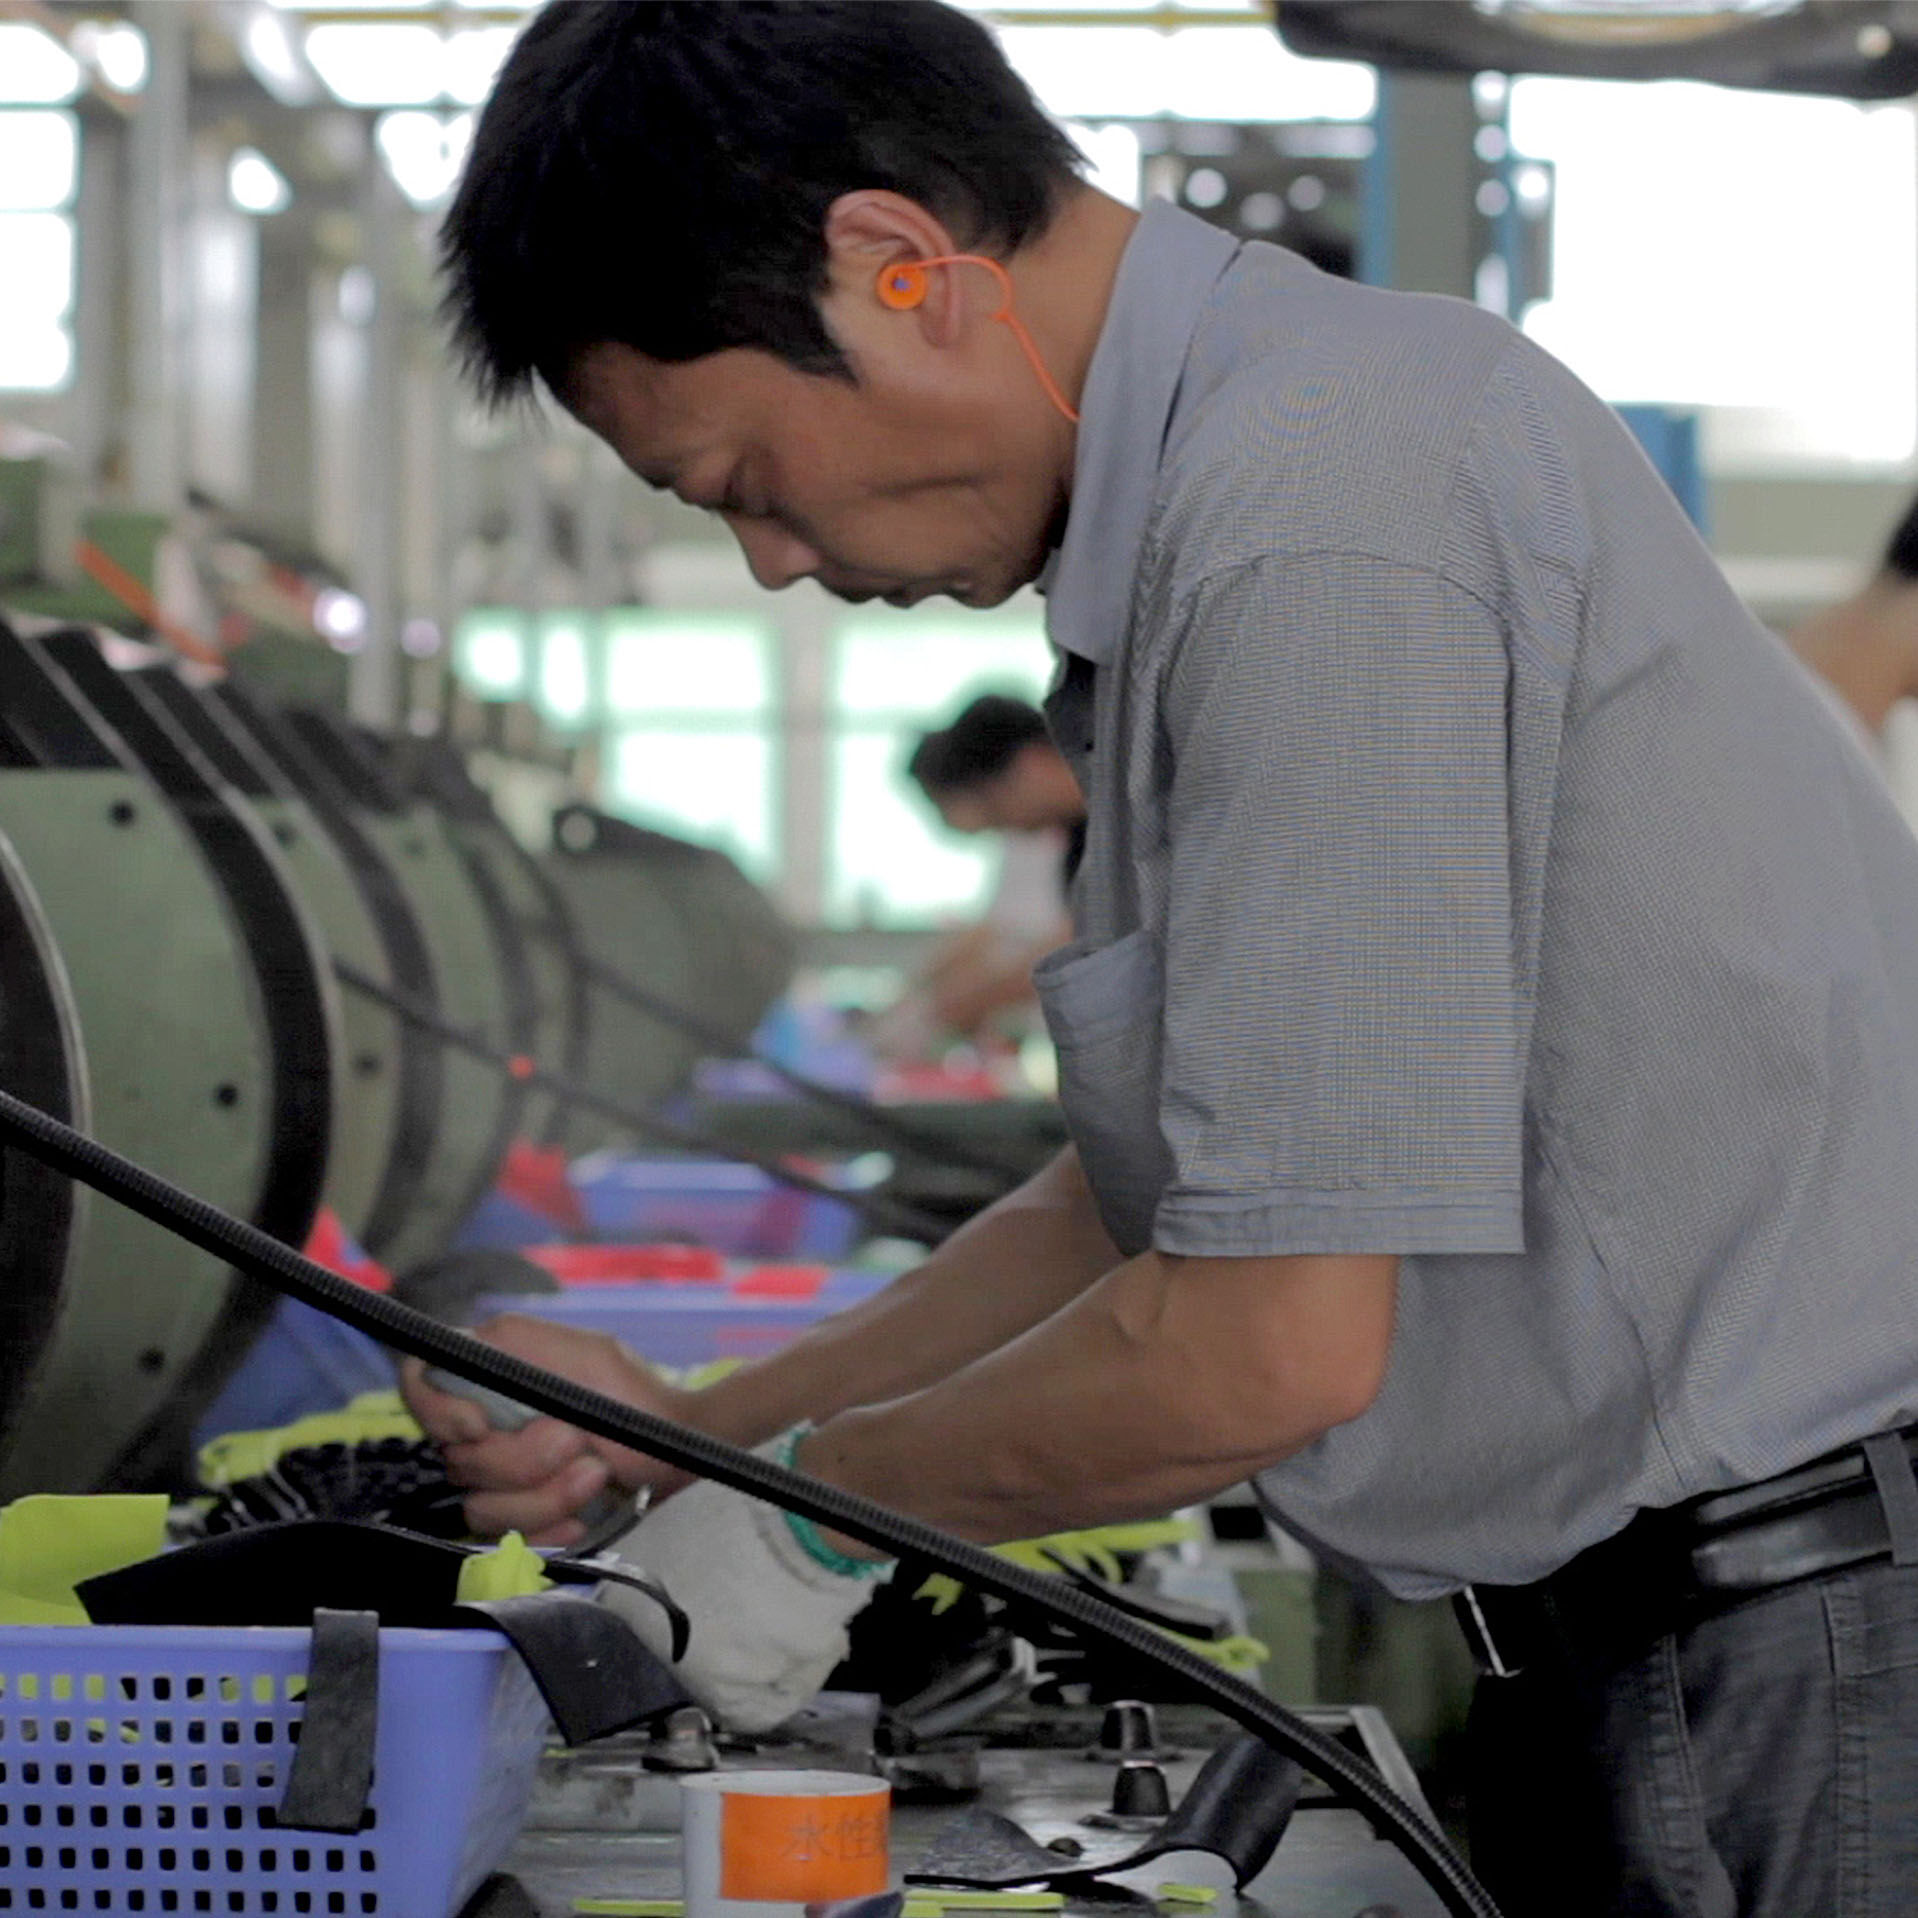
1491, 1047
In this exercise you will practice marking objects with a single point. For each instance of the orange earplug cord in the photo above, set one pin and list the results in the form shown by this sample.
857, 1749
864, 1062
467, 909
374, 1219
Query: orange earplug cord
903, 286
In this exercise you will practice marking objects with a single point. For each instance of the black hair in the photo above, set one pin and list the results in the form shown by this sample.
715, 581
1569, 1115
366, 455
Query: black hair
1901, 554
657, 173
977, 747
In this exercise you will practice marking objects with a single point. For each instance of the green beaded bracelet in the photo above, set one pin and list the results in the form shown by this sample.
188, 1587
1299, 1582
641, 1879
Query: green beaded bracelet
812, 1541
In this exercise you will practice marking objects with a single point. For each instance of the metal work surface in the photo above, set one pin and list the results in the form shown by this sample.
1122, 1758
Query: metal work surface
1328, 1865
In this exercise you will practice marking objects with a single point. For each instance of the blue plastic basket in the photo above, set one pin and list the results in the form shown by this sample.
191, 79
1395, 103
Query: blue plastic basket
714, 1202
141, 1767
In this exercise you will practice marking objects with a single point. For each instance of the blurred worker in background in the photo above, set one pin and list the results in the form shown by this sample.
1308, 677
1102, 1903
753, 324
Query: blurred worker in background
993, 769
1489, 1045
1866, 646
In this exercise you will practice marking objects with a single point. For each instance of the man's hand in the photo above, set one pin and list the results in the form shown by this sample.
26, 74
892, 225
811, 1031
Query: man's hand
537, 1480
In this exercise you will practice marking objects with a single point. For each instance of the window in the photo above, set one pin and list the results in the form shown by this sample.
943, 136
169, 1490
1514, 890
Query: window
39, 176
690, 703
1752, 253
490, 649
894, 676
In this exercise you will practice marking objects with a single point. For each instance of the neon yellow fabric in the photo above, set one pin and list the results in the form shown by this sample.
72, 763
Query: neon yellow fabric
234, 1456
1096, 1553
48, 1545
510, 1570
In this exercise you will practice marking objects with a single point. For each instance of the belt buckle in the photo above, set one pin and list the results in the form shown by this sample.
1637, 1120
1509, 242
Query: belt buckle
1492, 1659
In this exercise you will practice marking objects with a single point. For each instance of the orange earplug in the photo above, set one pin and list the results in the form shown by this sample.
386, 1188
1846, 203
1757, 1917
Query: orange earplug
902, 286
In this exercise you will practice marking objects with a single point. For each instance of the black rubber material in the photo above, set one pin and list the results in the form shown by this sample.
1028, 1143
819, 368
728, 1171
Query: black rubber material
1351, 1778
647, 1121
332, 1772
1237, 1809
591, 1668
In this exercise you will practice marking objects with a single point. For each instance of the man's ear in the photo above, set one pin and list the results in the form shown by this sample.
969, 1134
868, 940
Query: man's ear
871, 230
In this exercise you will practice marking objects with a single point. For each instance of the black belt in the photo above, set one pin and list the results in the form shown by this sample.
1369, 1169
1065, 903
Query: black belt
1669, 1569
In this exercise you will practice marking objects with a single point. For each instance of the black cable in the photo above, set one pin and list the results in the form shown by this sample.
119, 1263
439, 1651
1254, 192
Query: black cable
887, 1214
398, 1326
721, 1044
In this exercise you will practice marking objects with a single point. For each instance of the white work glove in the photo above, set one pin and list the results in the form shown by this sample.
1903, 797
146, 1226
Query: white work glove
768, 1619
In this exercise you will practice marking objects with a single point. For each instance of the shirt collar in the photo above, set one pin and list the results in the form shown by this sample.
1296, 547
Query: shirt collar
1165, 278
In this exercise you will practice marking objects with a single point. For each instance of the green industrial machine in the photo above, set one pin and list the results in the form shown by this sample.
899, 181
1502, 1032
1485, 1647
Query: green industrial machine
364, 1139
181, 1070
443, 948
39, 524
683, 922
202, 897
478, 971
538, 920
41, 1214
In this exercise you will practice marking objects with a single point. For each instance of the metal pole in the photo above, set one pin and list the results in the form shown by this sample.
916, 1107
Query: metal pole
1420, 232
373, 692
156, 187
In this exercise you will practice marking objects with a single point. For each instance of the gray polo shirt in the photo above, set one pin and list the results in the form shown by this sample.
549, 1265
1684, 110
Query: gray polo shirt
1470, 878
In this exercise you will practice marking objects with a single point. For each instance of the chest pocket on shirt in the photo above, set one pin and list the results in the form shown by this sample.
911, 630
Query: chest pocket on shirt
1103, 1006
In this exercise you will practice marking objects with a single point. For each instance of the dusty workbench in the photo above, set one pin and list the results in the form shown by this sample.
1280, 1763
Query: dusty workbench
1329, 1864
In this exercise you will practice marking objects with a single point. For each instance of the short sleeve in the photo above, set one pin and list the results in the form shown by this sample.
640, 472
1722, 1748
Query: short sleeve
1340, 1047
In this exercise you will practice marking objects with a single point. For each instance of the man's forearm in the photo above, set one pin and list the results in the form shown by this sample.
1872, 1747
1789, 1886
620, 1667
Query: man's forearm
1012, 1267
1166, 1381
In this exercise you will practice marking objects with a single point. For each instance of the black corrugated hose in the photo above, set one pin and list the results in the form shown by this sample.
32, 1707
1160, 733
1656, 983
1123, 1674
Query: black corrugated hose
251, 1251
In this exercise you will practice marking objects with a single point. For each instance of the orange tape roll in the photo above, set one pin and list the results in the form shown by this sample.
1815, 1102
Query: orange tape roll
791, 1838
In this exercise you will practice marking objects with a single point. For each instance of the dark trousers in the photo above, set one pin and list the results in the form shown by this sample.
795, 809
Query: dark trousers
1763, 1764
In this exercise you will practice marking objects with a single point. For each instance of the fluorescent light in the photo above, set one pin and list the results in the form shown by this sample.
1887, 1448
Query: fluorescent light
273, 57
389, 64
340, 618
1205, 187
424, 151
254, 184
39, 161
116, 50
474, 56
35, 69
